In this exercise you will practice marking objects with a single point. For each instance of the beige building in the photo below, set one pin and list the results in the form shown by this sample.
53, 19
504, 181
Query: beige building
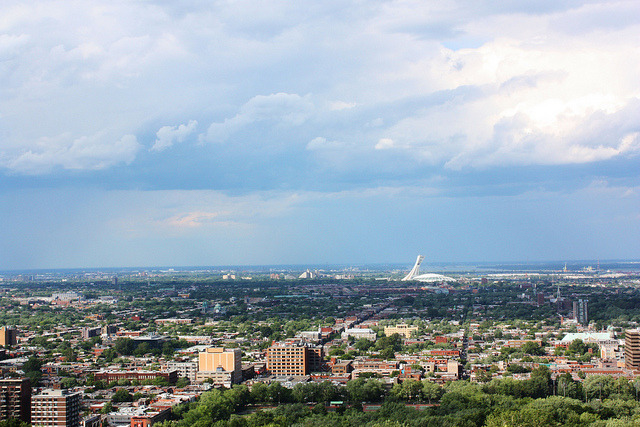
8, 336
358, 333
632, 349
400, 329
221, 365
55, 408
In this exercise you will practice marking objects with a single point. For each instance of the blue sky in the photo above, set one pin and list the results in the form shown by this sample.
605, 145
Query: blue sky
144, 133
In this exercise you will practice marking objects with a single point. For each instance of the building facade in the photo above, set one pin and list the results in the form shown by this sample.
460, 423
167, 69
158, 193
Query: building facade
15, 399
184, 369
55, 408
110, 376
400, 329
8, 336
358, 333
581, 311
221, 365
294, 359
632, 349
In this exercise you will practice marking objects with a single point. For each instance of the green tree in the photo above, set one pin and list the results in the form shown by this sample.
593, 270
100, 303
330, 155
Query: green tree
533, 348
432, 391
598, 386
122, 395
106, 408
182, 382
259, 393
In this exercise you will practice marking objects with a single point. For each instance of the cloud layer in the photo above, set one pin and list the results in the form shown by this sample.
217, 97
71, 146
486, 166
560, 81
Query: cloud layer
311, 101
441, 82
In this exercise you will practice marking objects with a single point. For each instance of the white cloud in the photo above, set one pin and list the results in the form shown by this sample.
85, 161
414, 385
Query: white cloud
384, 144
448, 83
11, 45
280, 108
193, 219
321, 143
87, 152
168, 135
341, 105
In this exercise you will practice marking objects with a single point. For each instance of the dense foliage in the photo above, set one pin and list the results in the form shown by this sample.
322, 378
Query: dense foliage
538, 401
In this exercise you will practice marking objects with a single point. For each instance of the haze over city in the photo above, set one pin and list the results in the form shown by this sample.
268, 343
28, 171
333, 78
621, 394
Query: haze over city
211, 133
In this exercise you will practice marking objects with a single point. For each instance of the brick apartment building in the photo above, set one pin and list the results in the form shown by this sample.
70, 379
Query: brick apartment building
55, 408
110, 376
294, 359
15, 399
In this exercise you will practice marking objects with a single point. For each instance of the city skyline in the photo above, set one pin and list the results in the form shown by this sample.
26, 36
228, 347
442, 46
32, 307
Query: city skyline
151, 133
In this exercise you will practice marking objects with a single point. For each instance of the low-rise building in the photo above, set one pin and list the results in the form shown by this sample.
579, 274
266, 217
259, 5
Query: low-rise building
400, 329
359, 333
141, 375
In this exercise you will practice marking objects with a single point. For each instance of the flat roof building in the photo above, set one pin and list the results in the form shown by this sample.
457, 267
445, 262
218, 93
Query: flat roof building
632, 349
55, 408
401, 329
8, 336
15, 399
221, 365
294, 358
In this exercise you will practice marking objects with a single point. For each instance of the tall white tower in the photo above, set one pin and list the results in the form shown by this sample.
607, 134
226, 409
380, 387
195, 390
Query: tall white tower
415, 270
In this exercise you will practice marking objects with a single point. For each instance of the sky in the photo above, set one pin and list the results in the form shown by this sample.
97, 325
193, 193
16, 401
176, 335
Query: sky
198, 132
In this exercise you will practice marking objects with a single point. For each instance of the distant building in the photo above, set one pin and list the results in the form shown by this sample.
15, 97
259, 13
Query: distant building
110, 376
8, 336
400, 329
581, 311
109, 329
88, 333
174, 320
185, 369
311, 336
632, 349
223, 366
358, 333
66, 296
15, 399
55, 408
308, 275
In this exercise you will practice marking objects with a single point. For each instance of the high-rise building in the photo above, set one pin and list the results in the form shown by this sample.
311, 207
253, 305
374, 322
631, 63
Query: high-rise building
581, 311
632, 349
55, 408
223, 366
294, 358
8, 336
15, 399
